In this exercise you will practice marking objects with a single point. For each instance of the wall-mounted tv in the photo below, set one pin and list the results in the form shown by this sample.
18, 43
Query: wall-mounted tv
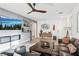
10, 23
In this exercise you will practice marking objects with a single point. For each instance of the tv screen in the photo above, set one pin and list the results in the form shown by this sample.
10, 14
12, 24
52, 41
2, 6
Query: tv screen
10, 23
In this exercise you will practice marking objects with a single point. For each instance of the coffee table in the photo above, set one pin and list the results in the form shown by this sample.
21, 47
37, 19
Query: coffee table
44, 51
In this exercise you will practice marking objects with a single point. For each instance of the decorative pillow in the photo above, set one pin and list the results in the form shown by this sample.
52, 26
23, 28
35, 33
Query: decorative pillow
72, 48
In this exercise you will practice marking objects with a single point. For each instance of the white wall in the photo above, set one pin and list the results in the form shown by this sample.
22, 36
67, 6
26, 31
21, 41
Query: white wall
73, 18
59, 23
19, 8
62, 22
25, 37
6, 13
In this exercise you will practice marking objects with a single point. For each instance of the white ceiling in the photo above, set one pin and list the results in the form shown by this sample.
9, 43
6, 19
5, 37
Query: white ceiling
52, 9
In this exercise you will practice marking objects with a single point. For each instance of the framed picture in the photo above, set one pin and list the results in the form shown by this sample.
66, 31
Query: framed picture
45, 26
78, 22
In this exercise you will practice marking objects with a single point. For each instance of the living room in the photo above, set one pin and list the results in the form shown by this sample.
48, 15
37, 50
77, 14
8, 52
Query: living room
47, 29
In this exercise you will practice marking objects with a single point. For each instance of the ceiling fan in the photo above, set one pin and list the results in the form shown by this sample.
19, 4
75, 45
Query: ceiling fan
35, 10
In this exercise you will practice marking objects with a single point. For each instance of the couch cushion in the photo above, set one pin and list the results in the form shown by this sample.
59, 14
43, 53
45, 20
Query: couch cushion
73, 40
76, 43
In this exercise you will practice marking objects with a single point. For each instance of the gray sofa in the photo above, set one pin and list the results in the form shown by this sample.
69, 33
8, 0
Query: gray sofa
75, 42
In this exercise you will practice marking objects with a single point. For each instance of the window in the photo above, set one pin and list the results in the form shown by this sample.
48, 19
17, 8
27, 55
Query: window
4, 39
7, 39
15, 37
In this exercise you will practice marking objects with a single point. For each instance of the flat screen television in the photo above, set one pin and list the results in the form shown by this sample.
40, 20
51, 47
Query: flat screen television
10, 23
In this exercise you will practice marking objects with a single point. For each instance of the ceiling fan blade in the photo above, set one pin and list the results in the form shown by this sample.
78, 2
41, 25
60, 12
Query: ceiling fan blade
29, 12
34, 4
41, 11
35, 10
30, 5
